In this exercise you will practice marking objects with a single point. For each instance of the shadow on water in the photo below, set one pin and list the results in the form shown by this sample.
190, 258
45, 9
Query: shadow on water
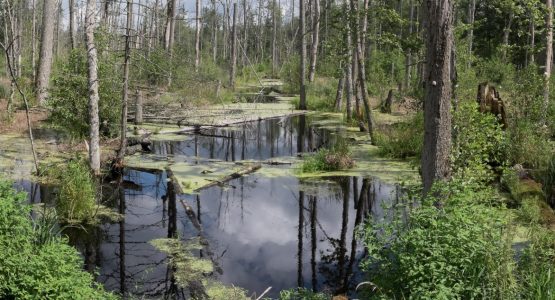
264, 231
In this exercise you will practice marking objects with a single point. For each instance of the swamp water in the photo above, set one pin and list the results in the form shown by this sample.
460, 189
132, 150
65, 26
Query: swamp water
264, 230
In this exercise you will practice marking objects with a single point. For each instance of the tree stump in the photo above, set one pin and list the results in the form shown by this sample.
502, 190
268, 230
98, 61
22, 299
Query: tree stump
490, 102
386, 106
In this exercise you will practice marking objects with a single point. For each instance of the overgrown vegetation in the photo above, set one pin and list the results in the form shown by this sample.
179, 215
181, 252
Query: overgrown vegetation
337, 157
69, 95
402, 140
33, 266
76, 197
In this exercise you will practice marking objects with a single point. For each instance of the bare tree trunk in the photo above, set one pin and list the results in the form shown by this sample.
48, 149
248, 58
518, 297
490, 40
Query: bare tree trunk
34, 42
170, 25
548, 57
532, 40
94, 123
315, 37
197, 35
349, 67
437, 103
339, 93
274, 39
215, 33
125, 96
245, 32
233, 48
471, 14
302, 92
72, 24
46, 46
361, 66
408, 58
506, 33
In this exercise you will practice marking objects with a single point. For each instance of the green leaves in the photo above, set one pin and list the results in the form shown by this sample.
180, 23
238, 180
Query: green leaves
29, 270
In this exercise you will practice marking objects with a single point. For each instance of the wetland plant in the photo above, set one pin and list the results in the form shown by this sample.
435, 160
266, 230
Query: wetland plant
76, 196
335, 158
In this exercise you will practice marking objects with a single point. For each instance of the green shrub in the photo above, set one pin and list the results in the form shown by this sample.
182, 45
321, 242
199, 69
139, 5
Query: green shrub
480, 144
461, 250
76, 195
69, 95
528, 146
335, 158
290, 74
29, 270
402, 140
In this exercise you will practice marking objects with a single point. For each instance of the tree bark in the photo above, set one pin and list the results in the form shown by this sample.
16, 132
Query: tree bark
438, 92
94, 123
197, 35
349, 67
125, 94
33, 41
233, 48
471, 14
72, 23
215, 33
548, 57
170, 25
302, 92
408, 58
315, 38
361, 65
46, 47
274, 39
339, 93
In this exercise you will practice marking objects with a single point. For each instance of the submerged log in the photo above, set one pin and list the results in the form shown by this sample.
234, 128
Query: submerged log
490, 102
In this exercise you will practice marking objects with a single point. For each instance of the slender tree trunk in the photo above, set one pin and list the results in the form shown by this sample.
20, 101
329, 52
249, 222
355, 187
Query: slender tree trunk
408, 58
233, 48
94, 123
361, 66
125, 92
437, 103
46, 46
72, 24
34, 41
302, 92
315, 38
274, 39
349, 67
339, 93
197, 35
532, 40
215, 33
170, 25
471, 14
548, 57
245, 32
506, 33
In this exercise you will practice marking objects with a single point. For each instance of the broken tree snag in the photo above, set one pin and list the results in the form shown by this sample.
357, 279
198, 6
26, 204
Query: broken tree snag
386, 106
143, 141
240, 173
489, 101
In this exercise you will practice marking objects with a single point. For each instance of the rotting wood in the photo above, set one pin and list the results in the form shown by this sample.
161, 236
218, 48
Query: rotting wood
386, 107
490, 102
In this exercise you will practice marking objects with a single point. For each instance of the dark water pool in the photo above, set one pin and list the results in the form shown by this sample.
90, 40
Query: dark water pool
277, 231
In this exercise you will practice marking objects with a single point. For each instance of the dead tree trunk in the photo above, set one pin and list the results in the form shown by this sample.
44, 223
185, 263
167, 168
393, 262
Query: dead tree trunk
349, 67
34, 42
233, 48
274, 39
437, 104
94, 123
214, 33
315, 37
408, 58
170, 25
46, 47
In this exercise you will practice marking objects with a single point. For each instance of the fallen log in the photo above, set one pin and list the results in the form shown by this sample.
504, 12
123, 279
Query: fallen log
247, 170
